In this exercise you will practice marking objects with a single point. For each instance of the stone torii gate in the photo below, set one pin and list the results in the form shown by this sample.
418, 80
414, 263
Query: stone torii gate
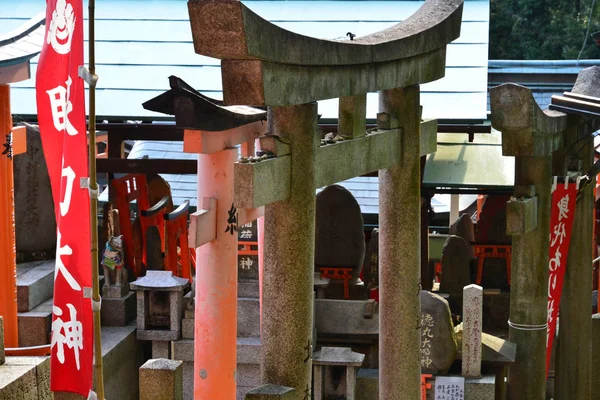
264, 65
546, 143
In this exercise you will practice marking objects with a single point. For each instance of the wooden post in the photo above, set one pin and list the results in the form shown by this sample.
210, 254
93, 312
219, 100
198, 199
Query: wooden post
286, 330
215, 333
400, 254
8, 266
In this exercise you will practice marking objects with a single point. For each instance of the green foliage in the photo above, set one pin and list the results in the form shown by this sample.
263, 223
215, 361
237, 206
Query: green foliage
542, 29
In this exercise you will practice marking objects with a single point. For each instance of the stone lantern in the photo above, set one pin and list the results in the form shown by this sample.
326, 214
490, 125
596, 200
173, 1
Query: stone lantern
330, 362
159, 309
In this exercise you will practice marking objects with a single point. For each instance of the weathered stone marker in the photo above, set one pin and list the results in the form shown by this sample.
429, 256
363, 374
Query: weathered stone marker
472, 325
438, 340
289, 73
456, 260
161, 379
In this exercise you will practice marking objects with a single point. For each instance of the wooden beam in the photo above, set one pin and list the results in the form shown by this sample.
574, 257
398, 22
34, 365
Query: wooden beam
261, 183
203, 224
146, 166
207, 142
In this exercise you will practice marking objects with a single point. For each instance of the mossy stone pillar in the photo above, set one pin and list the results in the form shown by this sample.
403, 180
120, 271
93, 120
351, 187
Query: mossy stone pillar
400, 254
286, 332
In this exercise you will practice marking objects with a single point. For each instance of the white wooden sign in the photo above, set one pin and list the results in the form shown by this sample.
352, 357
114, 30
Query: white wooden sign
449, 388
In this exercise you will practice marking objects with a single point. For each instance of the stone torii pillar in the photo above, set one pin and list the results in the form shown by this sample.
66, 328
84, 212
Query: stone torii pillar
531, 136
289, 72
214, 132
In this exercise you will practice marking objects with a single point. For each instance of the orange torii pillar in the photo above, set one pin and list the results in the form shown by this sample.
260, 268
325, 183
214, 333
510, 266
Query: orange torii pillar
12, 142
214, 234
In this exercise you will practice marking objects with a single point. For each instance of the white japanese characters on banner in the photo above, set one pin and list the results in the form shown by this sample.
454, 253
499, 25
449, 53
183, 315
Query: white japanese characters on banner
61, 116
561, 223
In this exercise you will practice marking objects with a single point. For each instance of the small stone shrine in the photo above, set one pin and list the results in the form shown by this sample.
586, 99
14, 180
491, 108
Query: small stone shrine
330, 378
438, 341
455, 266
159, 309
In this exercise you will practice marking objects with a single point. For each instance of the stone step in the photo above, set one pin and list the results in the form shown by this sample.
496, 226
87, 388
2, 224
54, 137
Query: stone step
35, 284
34, 325
248, 350
248, 288
248, 318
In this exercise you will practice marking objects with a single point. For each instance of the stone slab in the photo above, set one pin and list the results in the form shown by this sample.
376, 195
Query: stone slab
25, 378
345, 317
270, 392
161, 335
161, 379
248, 317
122, 355
115, 292
161, 349
34, 328
188, 380
35, 284
472, 325
187, 328
248, 350
248, 289
183, 350
367, 384
272, 178
118, 311
248, 374
483, 388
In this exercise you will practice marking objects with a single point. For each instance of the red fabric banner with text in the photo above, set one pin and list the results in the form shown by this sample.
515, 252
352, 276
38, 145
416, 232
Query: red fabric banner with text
60, 99
561, 225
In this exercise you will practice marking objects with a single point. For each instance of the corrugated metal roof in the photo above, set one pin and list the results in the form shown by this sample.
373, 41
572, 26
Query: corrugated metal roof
140, 43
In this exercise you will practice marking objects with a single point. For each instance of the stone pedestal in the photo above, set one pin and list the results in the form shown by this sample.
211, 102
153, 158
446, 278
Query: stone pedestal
472, 325
161, 349
119, 311
160, 379
270, 392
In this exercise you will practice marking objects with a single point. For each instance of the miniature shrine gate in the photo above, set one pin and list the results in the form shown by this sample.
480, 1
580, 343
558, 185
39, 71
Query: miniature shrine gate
546, 143
264, 65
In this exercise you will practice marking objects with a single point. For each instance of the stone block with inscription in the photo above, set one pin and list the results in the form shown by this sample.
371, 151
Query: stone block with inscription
438, 340
472, 326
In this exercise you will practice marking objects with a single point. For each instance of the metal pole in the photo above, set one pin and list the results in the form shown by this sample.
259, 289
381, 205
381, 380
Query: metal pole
94, 207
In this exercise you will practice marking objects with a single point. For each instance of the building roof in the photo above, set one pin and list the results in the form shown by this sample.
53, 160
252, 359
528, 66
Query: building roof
139, 44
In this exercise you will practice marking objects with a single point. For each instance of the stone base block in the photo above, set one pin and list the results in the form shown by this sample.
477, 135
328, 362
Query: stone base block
34, 325
248, 289
161, 349
248, 317
115, 292
118, 311
480, 389
161, 379
248, 375
188, 380
271, 392
248, 350
35, 284
160, 335
183, 350
25, 378
187, 328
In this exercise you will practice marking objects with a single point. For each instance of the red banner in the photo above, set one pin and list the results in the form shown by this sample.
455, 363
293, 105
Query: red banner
561, 224
61, 116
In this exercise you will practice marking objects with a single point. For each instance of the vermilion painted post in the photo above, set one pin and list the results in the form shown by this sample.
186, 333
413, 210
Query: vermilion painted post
8, 267
216, 284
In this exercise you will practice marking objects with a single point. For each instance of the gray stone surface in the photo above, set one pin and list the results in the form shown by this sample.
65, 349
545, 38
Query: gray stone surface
456, 260
345, 317
587, 82
25, 378
122, 357
286, 330
248, 350
339, 230
400, 253
472, 325
438, 340
338, 356
35, 224
483, 388
34, 326
35, 284
115, 292
160, 280
161, 349
367, 384
248, 317
187, 328
160, 335
118, 311
270, 392
464, 228
161, 379
248, 289
371, 265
